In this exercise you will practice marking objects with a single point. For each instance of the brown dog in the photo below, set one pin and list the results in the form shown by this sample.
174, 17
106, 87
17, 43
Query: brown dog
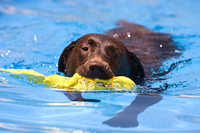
104, 56
100, 56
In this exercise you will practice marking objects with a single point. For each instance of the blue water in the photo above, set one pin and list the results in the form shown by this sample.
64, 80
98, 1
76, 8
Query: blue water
33, 34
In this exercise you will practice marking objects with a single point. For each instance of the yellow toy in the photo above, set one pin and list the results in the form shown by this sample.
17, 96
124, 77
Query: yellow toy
76, 82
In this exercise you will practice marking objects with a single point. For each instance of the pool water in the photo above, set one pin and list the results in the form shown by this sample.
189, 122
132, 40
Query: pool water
33, 35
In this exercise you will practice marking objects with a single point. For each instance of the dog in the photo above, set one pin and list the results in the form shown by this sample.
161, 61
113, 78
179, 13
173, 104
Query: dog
100, 56
131, 50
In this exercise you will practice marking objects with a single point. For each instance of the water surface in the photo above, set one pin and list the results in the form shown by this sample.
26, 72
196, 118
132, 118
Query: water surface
33, 35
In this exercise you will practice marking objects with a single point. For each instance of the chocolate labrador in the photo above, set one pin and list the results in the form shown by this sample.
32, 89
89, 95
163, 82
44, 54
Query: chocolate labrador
132, 51
100, 56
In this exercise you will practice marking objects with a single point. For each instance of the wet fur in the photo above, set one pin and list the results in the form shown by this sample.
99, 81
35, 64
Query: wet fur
144, 52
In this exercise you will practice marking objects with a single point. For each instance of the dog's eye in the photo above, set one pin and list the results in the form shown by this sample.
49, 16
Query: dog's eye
85, 48
115, 55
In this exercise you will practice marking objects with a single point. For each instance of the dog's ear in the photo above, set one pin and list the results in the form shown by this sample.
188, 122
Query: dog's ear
137, 71
64, 56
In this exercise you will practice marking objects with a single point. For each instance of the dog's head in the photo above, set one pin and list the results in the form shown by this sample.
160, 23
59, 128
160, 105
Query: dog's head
99, 56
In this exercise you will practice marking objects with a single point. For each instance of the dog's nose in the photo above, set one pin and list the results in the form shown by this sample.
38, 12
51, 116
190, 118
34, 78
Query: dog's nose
97, 67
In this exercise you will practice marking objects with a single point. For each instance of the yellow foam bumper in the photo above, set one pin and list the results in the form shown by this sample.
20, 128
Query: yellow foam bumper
76, 82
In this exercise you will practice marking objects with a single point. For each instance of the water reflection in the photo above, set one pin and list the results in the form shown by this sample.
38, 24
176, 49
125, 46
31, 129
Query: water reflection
76, 96
128, 117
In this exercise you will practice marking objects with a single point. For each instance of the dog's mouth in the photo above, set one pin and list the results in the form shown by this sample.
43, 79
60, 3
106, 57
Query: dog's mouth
94, 75
95, 70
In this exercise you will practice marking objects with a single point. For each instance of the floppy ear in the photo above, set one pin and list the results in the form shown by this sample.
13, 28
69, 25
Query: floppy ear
137, 71
64, 56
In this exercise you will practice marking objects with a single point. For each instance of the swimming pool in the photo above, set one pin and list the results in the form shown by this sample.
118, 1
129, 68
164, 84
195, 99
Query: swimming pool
33, 35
